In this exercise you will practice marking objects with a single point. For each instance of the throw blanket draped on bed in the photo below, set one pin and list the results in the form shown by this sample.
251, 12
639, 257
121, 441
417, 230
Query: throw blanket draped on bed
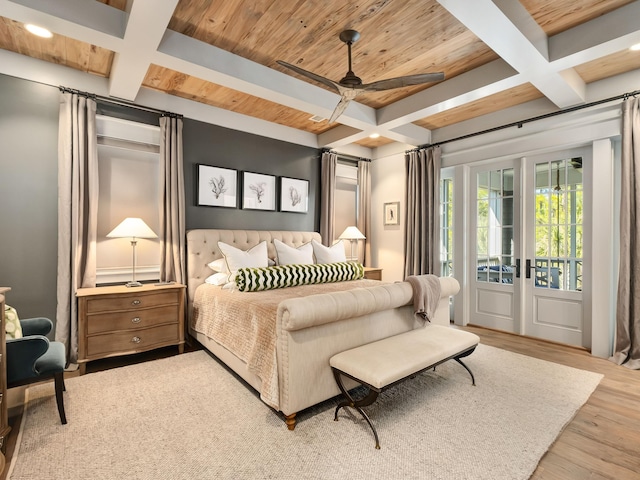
426, 294
245, 324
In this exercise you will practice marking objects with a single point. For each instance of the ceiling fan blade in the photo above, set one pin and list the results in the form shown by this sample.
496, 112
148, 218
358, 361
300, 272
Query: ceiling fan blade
340, 108
311, 75
398, 82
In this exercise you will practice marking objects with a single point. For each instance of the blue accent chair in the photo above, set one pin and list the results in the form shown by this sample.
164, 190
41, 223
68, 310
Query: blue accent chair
34, 358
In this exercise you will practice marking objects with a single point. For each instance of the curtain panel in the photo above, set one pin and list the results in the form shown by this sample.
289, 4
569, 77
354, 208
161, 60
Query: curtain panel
172, 205
329, 163
364, 208
627, 346
422, 225
77, 212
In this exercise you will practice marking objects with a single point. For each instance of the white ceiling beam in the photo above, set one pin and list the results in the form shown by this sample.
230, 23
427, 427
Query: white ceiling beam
193, 57
148, 20
340, 136
91, 22
488, 79
504, 36
410, 134
604, 35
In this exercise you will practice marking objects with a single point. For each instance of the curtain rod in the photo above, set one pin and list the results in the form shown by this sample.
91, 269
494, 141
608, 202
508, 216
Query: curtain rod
346, 156
520, 123
120, 102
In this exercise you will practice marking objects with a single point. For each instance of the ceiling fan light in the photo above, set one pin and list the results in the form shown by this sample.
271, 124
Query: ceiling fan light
635, 47
38, 31
374, 135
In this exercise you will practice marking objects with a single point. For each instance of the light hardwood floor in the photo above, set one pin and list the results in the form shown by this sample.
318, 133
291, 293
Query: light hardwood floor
601, 442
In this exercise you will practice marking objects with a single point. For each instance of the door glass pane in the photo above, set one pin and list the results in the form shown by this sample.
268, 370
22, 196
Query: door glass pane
559, 207
494, 223
483, 185
446, 227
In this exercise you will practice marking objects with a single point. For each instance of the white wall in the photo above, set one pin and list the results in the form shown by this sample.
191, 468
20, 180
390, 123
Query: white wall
388, 185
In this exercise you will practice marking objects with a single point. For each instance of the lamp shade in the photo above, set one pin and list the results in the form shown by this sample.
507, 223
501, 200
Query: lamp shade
132, 228
352, 233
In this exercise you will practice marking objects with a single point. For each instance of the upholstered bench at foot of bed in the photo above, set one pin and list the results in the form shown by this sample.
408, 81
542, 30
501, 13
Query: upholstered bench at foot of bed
384, 363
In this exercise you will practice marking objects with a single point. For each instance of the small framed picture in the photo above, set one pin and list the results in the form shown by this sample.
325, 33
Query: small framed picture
392, 213
258, 191
217, 187
294, 195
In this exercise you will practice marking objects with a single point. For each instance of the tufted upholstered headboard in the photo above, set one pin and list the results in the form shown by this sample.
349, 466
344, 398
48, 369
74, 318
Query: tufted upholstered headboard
202, 249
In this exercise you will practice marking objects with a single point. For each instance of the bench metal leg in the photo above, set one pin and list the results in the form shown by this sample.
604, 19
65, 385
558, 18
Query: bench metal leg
466, 354
357, 404
473, 379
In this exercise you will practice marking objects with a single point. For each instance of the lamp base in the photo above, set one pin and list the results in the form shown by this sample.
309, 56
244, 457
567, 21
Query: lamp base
133, 284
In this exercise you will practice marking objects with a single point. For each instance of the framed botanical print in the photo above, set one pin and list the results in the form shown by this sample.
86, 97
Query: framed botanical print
258, 191
217, 187
294, 195
392, 213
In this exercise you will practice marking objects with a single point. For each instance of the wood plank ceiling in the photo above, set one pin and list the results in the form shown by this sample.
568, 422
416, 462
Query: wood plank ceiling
397, 38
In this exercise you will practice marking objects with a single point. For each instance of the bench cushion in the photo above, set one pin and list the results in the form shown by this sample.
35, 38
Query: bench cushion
381, 363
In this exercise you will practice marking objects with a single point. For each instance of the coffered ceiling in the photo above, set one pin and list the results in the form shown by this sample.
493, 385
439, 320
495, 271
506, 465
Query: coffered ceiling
215, 60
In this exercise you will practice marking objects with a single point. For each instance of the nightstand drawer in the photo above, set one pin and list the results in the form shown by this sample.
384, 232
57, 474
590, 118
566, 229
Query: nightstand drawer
121, 342
148, 317
131, 301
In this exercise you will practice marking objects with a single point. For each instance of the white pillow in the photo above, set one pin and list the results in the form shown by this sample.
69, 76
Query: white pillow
219, 265
286, 255
236, 258
332, 254
219, 278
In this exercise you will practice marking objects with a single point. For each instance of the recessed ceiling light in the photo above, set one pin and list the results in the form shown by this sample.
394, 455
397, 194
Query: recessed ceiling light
374, 135
39, 31
635, 47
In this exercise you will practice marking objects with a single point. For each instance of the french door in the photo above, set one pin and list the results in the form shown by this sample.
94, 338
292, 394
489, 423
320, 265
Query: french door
527, 249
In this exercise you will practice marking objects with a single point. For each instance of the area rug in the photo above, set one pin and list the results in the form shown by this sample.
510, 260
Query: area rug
188, 417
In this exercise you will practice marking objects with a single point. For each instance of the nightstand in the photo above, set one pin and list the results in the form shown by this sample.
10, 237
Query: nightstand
121, 321
373, 273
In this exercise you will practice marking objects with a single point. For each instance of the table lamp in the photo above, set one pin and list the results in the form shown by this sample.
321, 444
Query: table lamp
133, 228
353, 235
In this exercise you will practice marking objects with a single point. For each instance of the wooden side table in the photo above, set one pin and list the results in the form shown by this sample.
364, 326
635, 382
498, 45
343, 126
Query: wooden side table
121, 321
373, 273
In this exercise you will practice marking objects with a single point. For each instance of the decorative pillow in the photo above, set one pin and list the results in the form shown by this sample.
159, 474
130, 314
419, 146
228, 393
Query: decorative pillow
219, 278
12, 322
219, 265
281, 276
286, 255
332, 254
236, 258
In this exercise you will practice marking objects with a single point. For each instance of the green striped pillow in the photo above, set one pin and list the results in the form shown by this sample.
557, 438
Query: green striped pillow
281, 276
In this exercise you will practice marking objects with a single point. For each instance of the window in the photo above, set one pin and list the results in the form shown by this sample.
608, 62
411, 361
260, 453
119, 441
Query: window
346, 198
128, 171
446, 227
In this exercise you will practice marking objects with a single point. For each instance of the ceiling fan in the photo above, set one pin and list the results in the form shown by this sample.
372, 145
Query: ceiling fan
351, 86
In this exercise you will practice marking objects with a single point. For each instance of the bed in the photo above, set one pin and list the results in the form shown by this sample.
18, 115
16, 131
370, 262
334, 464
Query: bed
280, 341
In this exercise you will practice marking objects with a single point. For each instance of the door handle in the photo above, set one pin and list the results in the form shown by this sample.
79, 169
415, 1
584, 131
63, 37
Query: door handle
529, 267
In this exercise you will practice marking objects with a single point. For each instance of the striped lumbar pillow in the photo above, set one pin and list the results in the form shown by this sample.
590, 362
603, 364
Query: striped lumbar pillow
281, 276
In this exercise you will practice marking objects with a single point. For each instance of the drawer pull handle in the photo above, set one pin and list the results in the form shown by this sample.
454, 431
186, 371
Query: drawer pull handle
135, 320
136, 339
136, 302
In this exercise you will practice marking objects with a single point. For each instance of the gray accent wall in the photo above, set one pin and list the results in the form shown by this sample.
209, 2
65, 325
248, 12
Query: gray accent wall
221, 147
28, 185
29, 195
